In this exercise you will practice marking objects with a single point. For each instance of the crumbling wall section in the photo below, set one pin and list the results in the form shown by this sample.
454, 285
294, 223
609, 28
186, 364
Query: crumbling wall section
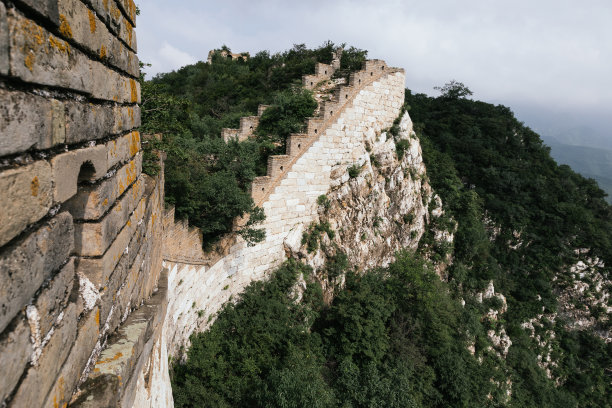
80, 226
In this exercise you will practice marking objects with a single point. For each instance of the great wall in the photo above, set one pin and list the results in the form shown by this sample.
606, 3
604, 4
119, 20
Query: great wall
101, 287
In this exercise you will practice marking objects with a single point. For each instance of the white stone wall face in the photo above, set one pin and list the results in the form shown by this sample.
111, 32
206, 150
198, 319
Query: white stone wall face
196, 293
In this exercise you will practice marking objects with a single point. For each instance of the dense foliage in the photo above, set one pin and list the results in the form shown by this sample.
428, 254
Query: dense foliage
491, 169
207, 180
399, 336
393, 338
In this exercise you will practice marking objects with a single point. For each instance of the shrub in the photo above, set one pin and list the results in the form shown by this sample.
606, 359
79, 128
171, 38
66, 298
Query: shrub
400, 148
354, 170
323, 201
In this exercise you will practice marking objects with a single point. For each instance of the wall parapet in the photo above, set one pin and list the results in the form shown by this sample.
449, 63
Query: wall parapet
80, 227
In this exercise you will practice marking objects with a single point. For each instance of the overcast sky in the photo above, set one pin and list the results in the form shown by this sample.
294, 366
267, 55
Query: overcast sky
550, 60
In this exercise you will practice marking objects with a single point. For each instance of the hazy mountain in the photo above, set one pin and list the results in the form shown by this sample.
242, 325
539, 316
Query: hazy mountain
591, 162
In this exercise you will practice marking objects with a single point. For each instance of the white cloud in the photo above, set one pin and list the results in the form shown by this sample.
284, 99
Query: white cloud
171, 58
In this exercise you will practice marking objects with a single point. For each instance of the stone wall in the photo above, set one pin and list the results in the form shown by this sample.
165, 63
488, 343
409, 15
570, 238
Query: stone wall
80, 226
334, 141
100, 285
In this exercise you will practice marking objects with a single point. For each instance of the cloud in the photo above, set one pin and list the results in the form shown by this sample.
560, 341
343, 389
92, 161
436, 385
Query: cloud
169, 58
550, 53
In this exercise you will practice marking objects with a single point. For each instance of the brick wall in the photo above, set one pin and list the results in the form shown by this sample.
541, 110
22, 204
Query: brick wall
80, 226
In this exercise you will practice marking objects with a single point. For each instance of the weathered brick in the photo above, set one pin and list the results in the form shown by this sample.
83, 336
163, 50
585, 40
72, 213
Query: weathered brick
84, 26
94, 238
68, 378
67, 170
47, 8
26, 264
15, 353
4, 41
98, 270
38, 56
129, 8
26, 198
91, 202
54, 297
40, 378
121, 284
109, 85
123, 148
86, 121
32, 122
29, 122
126, 118
116, 21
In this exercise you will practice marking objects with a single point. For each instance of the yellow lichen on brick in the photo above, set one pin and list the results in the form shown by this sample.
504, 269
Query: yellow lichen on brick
134, 90
29, 61
134, 143
34, 186
102, 52
65, 29
131, 9
129, 28
34, 39
92, 21
116, 357
61, 46
115, 12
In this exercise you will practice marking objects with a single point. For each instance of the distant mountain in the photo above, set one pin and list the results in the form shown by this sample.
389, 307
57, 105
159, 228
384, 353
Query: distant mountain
591, 162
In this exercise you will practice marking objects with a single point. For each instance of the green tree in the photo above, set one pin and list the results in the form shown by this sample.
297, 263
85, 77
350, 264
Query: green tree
454, 90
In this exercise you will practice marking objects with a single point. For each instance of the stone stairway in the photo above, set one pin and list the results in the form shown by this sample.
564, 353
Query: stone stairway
329, 112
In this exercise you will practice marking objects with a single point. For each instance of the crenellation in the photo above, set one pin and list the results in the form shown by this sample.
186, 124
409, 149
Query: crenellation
295, 143
289, 198
277, 165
